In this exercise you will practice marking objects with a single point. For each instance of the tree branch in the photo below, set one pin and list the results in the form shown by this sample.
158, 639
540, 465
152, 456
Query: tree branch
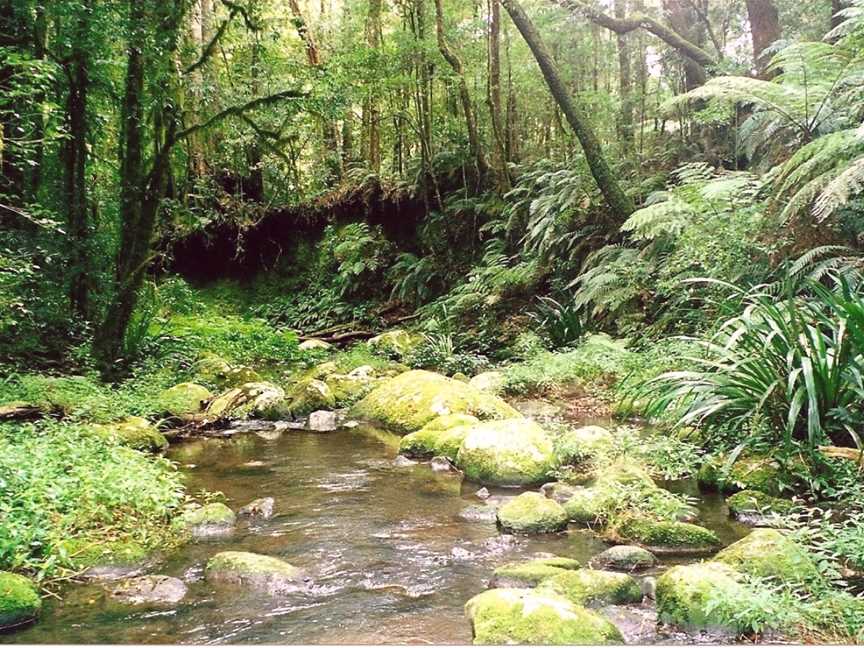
640, 21
211, 46
235, 111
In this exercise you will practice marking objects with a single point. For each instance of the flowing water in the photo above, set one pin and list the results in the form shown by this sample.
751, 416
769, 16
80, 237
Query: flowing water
394, 551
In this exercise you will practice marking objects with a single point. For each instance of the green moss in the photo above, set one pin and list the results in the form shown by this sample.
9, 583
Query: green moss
250, 399
515, 452
624, 557
523, 616
754, 503
530, 573
213, 514
395, 344
134, 432
19, 600
582, 444
441, 437
489, 381
663, 536
771, 554
84, 552
212, 369
347, 390
245, 562
626, 472
594, 587
411, 400
588, 506
754, 472
184, 399
703, 596
532, 513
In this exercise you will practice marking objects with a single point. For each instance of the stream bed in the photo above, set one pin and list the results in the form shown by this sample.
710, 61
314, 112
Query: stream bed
393, 550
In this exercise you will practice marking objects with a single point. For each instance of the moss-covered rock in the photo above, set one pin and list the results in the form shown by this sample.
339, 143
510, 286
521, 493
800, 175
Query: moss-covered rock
254, 572
628, 558
19, 600
771, 554
250, 399
626, 472
663, 537
411, 400
515, 452
212, 519
701, 596
583, 444
559, 491
588, 506
212, 369
525, 616
489, 381
532, 513
756, 507
237, 376
395, 344
754, 472
134, 432
305, 396
184, 399
348, 389
442, 436
593, 587
104, 560
531, 572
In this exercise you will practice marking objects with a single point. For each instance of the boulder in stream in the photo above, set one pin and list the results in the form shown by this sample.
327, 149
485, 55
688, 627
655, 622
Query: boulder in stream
20, 602
249, 399
532, 513
525, 616
307, 395
322, 421
214, 519
184, 400
255, 572
530, 573
513, 452
628, 558
769, 553
259, 508
663, 536
592, 587
701, 596
755, 507
441, 436
559, 491
151, 589
412, 399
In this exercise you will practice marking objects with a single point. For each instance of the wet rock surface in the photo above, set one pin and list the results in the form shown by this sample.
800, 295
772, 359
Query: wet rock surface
155, 590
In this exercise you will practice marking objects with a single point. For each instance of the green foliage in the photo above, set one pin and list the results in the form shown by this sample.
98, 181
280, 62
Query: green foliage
563, 324
62, 483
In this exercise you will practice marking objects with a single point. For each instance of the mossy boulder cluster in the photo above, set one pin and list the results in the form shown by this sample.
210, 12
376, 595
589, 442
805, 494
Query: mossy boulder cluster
412, 399
525, 616
254, 572
20, 602
184, 400
532, 513
514, 452
249, 399
441, 437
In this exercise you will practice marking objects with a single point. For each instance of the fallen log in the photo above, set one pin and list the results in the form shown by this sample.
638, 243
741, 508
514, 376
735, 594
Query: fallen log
21, 412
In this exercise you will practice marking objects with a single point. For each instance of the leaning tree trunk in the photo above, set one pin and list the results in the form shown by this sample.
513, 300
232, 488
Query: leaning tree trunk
464, 95
764, 29
620, 204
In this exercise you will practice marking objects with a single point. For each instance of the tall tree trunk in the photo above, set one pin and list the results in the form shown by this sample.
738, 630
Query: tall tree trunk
625, 117
40, 46
474, 145
75, 168
371, 113
501, 162
764, 29
684, 19
619, 203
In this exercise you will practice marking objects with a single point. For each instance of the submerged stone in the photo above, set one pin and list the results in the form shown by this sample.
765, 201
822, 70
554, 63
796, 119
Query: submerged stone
20, 602
592, 587
260, 508
412, 399
664, 537
531, 572
769, 553
254, 572
525, 616
154, 589
105, 560
702, 596
532, 513
629, 558
184, 399
441, 436
515, 452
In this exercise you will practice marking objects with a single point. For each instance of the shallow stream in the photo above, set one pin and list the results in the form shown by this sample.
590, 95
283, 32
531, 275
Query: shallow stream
394, 551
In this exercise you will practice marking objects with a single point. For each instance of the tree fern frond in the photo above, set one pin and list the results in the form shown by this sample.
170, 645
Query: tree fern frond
836, 194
